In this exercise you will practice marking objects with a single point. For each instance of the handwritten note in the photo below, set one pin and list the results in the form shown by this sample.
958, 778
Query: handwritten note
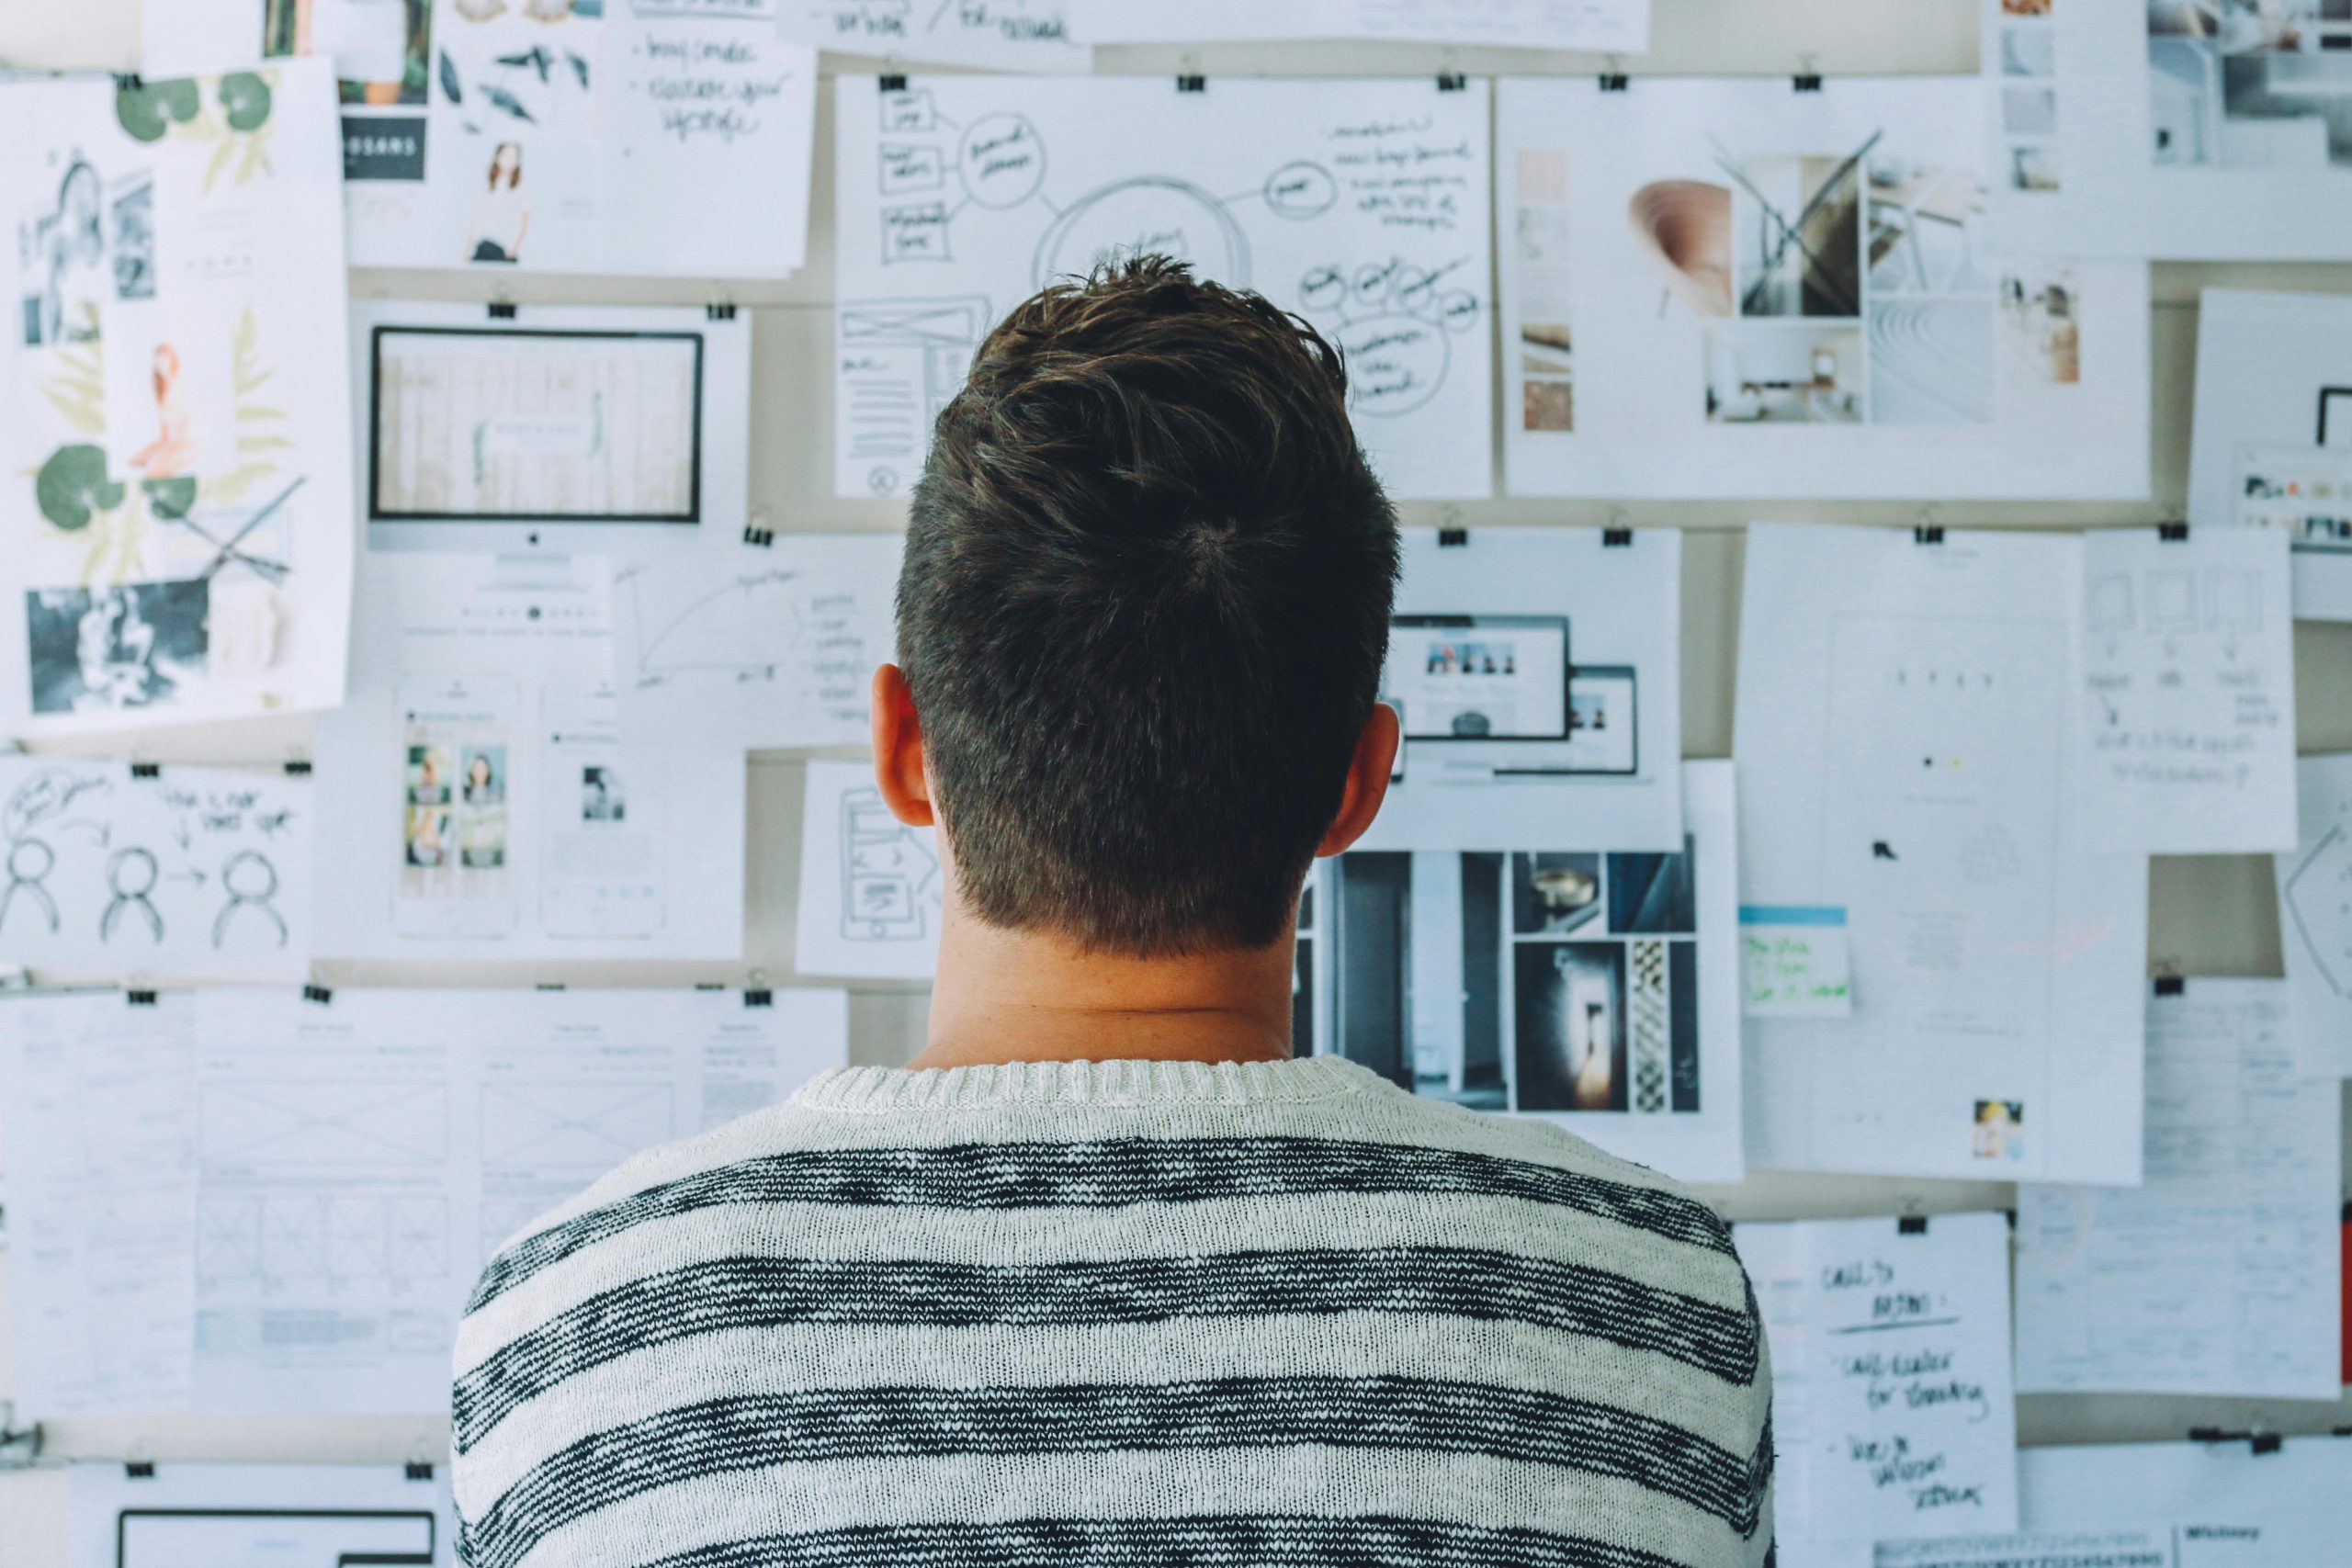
1794, 963
989, 35
2188, 687
1892, 1413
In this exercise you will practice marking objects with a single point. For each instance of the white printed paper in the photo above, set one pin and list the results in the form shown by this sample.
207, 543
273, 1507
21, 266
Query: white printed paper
987, 35
1364, 206
770, 644
600, 136
1596, 990
1794, 963
1724, 287
2187, 129
2218, 1274
2316, 917
1908, 744
282, 1516
555, 427
1608, 25
872, 889
1537, 674
93, 1105
1892, 1413
189, 874
2273, 442
2217, 1505
173, 435
490, 803
2188, 687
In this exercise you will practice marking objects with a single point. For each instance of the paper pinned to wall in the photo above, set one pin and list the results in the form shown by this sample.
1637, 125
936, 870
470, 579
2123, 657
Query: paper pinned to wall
1794, 963
1594, 988
2189, 674
872, 889
1908, 749
1364, 206
188, 874
1537, 674
1721, 287
191, 1516
492, 804
1622, 26
2218, 1274
2316, 917
2272, 446
1892, 1413
770, 644
2220, 1504
987, 35
173, 397
94, 1098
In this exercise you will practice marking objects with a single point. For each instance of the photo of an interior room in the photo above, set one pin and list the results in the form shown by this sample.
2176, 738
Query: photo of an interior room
1926, 226
1786, 373
2040, 325
1571, 1026
1796, 232
2251, 83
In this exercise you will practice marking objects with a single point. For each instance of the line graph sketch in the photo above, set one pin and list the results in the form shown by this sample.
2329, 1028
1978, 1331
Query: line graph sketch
1362, 206
288, 1122
595, 1125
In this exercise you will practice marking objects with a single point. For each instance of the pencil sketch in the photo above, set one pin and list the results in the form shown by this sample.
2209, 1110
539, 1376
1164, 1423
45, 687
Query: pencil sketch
890, 879
251, 883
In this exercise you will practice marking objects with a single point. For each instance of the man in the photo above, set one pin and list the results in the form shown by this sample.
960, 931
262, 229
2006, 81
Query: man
1109, 1279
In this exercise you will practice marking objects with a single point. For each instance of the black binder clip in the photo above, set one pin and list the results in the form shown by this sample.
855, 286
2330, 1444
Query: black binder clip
1452, 538
1616, 538
2171, 986
722, 312
146, 769
1614, 82
129, 82
1451, 82
1192, 83
1806, 81
138, 998
894, 84
298, 768
501, 310
755, 535
419, 1469
759, 998
2173, 533
320, 996
139, 1468
549, 986
1911, 1224
1927, 534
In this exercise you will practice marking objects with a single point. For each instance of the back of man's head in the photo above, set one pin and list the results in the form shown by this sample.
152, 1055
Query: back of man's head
1144, 612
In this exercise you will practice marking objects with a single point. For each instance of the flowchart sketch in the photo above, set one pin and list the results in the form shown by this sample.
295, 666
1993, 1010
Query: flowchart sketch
872, 889
1363, 206
771, 645
183, 872
2315, 917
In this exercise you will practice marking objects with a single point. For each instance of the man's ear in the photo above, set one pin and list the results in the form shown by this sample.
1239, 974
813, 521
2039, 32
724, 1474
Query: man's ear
1368, 774
898, 750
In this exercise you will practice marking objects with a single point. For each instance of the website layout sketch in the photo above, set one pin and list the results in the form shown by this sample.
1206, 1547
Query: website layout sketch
1363, 206
192, 873
872, 889
1504, 680
2315, 886
282, 1516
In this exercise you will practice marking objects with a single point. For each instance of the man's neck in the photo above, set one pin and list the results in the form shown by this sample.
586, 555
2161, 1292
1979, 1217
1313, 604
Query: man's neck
1020, 997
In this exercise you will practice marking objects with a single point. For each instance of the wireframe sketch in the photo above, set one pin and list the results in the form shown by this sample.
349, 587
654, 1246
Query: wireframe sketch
2243, 84
891, 885
1361, 206
289, 1239
324, 1123
595, 1124
2316, 896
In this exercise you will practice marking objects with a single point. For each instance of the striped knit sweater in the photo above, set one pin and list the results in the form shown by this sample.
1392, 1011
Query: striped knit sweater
1119, 1315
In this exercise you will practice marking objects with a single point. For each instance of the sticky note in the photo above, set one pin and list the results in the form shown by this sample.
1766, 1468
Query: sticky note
1794, 961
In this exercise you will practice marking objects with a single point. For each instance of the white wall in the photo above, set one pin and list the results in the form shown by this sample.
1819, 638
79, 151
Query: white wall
2211, 917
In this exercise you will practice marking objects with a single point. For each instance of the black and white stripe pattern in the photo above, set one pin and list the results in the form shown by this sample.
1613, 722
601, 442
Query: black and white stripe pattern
1023, 1322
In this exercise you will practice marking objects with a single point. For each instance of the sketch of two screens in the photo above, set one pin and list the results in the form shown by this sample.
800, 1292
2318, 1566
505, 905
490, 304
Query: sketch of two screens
1497, 695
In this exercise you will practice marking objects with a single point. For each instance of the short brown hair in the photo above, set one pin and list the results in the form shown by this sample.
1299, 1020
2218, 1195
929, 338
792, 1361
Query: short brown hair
1144, 612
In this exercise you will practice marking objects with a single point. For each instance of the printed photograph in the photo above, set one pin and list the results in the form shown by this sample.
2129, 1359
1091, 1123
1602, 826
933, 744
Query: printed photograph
2025, 7
1554, 895
2029, 52
2042, 336
1418, 977
1570, 1038
602, 799
1926, 224
63, 277
132, 646
380, 46
1796, 228
1786, 373
1931, 362
432, 774
427, 839
1545, 286
1652, 894
2000, 1131
2030, 111
2033, 168
2246, 84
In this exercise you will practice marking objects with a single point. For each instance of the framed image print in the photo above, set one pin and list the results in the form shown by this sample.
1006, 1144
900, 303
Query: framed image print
1719, 287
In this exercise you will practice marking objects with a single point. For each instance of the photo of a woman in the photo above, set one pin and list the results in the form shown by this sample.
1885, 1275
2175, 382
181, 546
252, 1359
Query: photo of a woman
502, 218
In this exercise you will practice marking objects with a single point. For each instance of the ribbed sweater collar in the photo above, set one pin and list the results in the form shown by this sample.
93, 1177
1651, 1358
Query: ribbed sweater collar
1125, 1083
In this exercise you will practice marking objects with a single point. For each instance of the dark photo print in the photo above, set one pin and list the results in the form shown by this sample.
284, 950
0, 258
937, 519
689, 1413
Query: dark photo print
1571, 1036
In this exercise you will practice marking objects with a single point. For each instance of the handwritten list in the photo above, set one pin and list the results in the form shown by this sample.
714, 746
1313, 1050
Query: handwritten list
2188, 687
1794, 963
1892, 1411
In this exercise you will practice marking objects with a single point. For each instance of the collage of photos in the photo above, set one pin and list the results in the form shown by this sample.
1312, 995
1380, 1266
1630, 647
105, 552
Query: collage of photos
454, 838
1557, 983
1539, 240
2251, 84
2026, 40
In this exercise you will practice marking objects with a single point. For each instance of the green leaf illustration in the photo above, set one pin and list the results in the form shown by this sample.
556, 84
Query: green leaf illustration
173, 498
245, 97
177, 98
137, 112
73, 485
